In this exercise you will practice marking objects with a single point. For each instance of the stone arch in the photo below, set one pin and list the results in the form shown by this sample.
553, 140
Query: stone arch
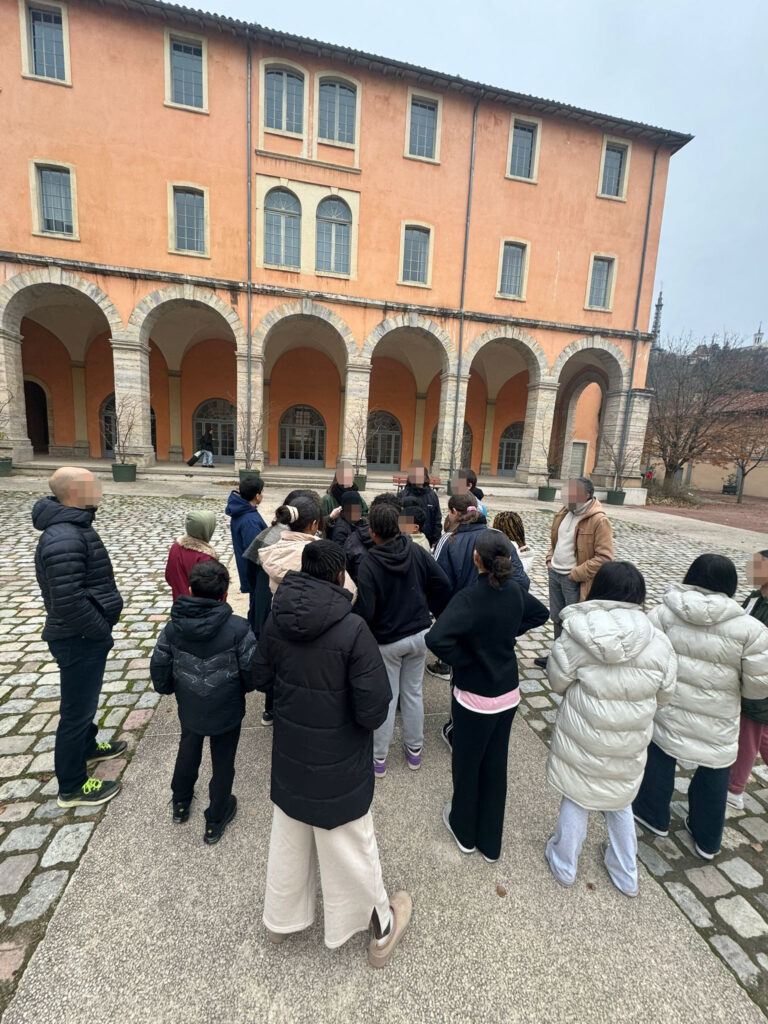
19, 294
538, 364
393, 323
305, 307
614, 360
149, 309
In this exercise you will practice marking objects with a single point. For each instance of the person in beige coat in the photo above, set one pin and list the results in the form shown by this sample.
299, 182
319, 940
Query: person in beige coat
722, 656
614, 669
303, 521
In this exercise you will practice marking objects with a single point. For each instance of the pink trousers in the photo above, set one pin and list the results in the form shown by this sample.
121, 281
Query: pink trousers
753, 739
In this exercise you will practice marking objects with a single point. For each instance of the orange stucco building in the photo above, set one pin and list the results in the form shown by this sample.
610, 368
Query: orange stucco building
288, 240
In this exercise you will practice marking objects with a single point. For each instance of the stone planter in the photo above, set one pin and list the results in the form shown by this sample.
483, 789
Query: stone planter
124, 472
729, 488
6, 465
360, 480
547, 493
615, 497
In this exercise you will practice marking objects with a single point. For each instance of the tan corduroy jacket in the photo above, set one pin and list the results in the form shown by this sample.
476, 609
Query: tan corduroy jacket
593, 542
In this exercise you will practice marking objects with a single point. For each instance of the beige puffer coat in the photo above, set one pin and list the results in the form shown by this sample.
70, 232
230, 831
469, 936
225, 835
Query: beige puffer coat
614, 668
285, 554
722, 655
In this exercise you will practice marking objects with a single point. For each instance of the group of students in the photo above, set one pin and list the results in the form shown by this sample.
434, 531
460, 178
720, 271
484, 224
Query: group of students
345, 602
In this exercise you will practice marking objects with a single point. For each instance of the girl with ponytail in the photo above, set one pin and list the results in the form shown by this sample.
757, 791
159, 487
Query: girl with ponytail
476, 636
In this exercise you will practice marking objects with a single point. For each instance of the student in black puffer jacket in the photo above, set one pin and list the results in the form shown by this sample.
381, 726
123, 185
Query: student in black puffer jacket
330, 692
418, 487
205, 655
359, 541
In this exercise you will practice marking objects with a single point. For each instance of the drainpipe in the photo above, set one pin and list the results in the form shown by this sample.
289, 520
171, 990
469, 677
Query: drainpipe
470, 185
249, 274
627, 408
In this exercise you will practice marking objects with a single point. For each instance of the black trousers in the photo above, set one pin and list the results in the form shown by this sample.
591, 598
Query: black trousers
81, 671
223, 750
480, 746
707, 796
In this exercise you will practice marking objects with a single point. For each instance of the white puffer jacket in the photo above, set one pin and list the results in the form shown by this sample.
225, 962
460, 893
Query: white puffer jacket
614, 668
722, 654
285, 554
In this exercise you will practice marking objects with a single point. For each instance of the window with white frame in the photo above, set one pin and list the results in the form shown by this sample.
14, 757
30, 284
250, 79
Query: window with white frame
512, 281
45, 49
336, 112
332, 244
189, 219
415, 254
601, 282
522, 157
54, 190
422, 139
284, 100
282, 229
186, 60
613, 172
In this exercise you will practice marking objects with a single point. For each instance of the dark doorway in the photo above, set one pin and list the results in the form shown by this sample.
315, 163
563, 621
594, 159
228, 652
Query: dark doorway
36, 402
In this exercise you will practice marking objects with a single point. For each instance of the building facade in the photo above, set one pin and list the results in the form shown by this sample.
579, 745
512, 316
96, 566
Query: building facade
312, 250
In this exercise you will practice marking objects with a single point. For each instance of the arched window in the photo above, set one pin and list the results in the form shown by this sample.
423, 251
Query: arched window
282, 228
336, 113
385, 438
220, 416
510, 445
284, 100
302, 437
466, 448
109, 427
334, 221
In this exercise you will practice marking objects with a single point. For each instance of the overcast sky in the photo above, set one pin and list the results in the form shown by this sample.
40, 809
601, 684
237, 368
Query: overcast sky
695, 66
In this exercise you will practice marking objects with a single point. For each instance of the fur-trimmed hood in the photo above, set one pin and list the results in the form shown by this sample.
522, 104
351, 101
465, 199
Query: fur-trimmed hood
193, 544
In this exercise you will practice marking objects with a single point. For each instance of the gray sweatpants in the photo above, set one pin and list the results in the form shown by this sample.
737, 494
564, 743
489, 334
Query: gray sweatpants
564, 847
404, 661
562, 591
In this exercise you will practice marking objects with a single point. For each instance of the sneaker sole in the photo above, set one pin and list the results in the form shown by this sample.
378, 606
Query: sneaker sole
464, 849
656, 831
699, 852
267, 725
105, 757
80, 802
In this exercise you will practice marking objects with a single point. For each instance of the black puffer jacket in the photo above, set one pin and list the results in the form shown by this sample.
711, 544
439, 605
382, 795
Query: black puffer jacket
355, 547
74, 574
430, 502
205, 656
330, 692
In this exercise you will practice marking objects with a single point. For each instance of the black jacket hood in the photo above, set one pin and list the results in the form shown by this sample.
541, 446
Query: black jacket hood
396, 556
199, 618
304, 607
48, 511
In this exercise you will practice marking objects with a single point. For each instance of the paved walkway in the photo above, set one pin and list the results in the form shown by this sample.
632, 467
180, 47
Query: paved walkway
141, 901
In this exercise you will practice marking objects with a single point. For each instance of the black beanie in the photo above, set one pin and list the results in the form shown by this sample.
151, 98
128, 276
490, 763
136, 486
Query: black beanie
351, 498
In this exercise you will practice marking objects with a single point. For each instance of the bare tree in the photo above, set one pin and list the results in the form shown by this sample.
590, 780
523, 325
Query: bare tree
619, 460
361, 427
542, 444
250, 439
125, 421
6, 400
744, 441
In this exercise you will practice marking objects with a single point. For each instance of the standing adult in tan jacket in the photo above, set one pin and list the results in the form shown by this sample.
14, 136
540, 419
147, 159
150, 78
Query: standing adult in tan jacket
582, 540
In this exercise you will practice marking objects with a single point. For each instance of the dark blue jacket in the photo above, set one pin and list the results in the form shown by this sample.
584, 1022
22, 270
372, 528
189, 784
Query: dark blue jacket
456, 561
246, 525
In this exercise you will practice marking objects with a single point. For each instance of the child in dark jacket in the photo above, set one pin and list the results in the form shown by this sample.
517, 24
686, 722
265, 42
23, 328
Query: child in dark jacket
246, 522
205, 656
351, 518
476, 635
330, 693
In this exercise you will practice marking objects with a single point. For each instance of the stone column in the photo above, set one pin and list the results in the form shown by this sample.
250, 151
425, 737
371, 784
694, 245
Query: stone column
130, 358
639, 409
355, 430
265, 424
609, 438
453, 403
486, 460
175, 449
13, 410
537, 433
256, 420
418, 426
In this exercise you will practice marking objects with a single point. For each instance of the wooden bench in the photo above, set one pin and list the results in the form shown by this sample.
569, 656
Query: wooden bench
400, 480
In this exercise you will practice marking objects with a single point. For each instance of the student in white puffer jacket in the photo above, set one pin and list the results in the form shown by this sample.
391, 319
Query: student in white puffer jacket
722, 656
614, 669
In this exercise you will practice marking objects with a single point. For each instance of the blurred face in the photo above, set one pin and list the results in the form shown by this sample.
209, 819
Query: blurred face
86, 493
757, 571
459, 486
345, 476
575, 494
75, 487
352, 513
407, 524
416, 475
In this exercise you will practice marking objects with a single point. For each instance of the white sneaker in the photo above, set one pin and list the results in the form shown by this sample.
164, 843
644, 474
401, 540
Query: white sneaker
447, 823
736, 800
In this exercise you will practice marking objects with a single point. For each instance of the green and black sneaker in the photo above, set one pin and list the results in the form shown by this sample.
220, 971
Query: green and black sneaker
106, 751
90, 794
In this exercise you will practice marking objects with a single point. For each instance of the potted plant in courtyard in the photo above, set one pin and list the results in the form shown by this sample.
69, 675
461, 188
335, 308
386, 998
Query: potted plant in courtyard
6, 451
360, 427
124, 427
547, 492
730, 486
249, 441
618, 460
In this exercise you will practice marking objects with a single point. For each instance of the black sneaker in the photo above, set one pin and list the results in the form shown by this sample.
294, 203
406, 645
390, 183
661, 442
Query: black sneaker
541, 662
439, 669
180, 811
267, 717
91, 793
214, 832
447, 734
106, 751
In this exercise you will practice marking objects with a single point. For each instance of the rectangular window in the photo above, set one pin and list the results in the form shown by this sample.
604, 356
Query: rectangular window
46, 36
333, 250
336, 113
512, 269
423, 127
415, 254
523, 149
284, 101
613, 170
187, 72
600, 283
55, 191
282, 240
189, 214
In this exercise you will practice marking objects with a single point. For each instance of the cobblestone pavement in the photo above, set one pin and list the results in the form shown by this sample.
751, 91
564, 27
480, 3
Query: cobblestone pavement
40, 844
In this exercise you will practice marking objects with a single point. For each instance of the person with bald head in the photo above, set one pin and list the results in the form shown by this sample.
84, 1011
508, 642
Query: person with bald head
82, 604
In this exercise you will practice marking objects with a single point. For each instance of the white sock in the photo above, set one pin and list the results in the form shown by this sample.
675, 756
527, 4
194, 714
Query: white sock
388, 930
